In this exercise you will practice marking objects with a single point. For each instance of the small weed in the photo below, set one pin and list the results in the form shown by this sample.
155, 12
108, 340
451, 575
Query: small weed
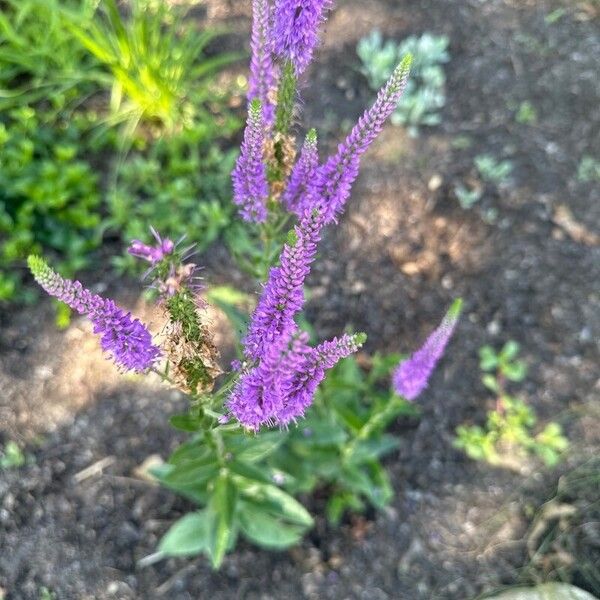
467, 198
12, 456
508, 435
493, 171
526, 114
46, 594
588, 170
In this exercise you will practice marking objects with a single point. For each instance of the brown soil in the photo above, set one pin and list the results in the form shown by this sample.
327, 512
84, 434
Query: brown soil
403, 250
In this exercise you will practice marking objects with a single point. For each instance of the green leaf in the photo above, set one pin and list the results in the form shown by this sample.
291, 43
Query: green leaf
253, 449
370, 449
187, 536
194, 471
509, 351
277, 502
313, 433
490, 382
267, 529
515, 371
249, 471
185, 422
488, 359
222, 506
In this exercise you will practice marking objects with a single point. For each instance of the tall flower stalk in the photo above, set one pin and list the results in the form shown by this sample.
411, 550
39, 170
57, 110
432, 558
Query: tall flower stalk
127, 341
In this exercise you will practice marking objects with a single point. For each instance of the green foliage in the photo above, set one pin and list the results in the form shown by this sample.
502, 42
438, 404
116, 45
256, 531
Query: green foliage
247, 485
46, 594
48, 194
425, 92
467, 198
493, 171
38, 59
179, 183
508, 435
156, 62
526, 114
12, 456
588, 170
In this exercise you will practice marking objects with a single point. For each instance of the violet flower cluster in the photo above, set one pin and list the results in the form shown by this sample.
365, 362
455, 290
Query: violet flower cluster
250, 187
126, 340
295, 30
262, 81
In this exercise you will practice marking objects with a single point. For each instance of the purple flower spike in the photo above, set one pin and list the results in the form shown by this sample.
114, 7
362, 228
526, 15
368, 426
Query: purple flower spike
250, 186
295, 30
283, 385
153, 254
126, 340
411, 376
262, 79
295, 195
335, 178
310, 371
283, 294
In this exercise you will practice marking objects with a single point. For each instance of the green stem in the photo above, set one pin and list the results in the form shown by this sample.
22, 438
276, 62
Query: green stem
377, 421
286, 94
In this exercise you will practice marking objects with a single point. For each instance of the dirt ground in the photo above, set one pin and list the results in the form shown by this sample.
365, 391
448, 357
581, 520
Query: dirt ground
525, 259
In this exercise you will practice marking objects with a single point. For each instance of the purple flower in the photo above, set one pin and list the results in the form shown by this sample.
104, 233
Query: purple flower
153, 254
295, 194
283, 294
282, 386
411, 376
127, 340
335, 178
261, 83
308, 372
295, 30
250, 187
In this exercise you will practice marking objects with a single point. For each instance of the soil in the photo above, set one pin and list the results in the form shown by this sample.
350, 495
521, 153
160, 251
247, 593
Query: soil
525, 259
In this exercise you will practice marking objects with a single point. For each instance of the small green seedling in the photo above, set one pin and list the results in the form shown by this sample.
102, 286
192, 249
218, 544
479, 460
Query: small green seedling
12, 456
508, 436
588, 170
467, 197
526, 114
493, 171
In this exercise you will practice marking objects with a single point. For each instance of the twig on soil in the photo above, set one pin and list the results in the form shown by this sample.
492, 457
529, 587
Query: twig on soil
94, 469
163, 588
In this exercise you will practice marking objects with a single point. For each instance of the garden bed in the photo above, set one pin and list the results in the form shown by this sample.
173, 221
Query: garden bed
525, 258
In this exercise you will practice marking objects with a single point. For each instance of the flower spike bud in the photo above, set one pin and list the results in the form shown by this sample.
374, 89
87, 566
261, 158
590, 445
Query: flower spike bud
250, 186
261, 84
335, 178
411, 376
283, 295
295, 30
153, 254
303, 173
126, 340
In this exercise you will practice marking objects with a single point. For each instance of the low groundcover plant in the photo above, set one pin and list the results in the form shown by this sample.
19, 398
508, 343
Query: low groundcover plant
264, 431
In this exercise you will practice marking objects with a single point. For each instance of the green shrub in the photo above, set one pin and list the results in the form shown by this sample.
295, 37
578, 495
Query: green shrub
424, 95
38, 57
48, 195
158, 70
178, 183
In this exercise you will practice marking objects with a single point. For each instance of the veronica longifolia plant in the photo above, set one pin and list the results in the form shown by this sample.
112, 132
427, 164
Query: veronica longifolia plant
266, 430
